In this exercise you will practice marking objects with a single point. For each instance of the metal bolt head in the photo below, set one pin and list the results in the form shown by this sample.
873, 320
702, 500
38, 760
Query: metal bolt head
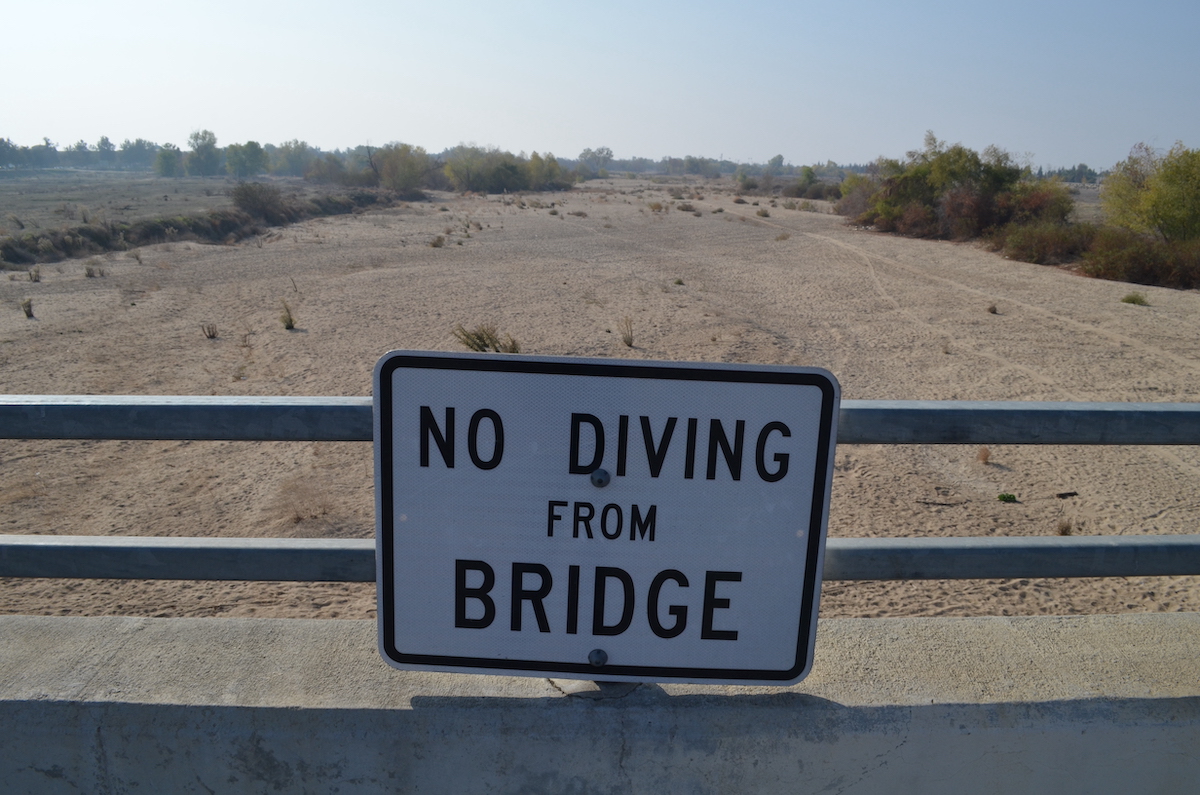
598, 657
600, 478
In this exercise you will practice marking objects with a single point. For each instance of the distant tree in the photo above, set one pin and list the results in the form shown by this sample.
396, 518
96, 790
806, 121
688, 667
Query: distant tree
1156, 194
44, 155
245, 160
10, 154
472, 168
204, 160
292, 158
137, 155
329, 168
106, 152
78, 154
169, 161
774, 166
593, 161
402, 168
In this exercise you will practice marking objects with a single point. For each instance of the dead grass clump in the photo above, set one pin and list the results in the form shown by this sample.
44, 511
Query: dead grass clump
685, 207
763, 212
626, 329
484, 339
35, 274
27, 307
92, 271
738, 200
578, 213
437, 242
984, 455
210, 330
1137, 299
1065, 527
992, 310
287, 318
655, 207
782, 236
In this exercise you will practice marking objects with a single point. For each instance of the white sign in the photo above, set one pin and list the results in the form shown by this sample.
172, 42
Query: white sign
620, 521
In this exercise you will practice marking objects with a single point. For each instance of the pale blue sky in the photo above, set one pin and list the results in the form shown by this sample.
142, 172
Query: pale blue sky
1063, 82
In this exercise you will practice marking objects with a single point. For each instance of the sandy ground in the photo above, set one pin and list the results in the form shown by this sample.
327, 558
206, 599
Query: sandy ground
892, 318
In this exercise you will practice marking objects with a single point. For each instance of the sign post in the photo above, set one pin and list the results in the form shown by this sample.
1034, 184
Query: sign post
621, 521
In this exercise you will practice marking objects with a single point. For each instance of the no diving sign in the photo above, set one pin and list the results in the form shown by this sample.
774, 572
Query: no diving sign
632, 521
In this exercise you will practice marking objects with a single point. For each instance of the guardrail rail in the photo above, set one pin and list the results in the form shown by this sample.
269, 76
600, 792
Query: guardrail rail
306, 419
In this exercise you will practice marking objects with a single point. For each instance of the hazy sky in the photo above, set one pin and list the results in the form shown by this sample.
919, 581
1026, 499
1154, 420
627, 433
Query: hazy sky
1063, 81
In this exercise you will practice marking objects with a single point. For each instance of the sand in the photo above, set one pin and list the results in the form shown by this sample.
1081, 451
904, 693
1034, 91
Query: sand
892, 318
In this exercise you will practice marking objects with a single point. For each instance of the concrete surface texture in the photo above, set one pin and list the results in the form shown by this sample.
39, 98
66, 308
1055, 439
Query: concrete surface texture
111, 705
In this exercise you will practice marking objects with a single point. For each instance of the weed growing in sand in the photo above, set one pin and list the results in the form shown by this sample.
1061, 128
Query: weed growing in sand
1006, 497
92, 271
437, 242
984, 455
1065, 527
1137, 299
554, 212
210, 330
626, 329
781, 237
738, 200
678, 282
27, 307
719, 210
578, 213
789, 205
484, 339
137, 255
685, 207
287, 318
655, 207
992, 310
763, 212
35, 274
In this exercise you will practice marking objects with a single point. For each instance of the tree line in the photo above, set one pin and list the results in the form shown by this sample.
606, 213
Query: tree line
1151, 201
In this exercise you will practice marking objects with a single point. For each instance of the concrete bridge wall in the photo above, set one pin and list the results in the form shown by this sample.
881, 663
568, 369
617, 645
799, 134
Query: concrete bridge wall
1030, 705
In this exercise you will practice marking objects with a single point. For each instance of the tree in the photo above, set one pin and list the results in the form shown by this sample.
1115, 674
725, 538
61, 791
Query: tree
10, 153
245, 160
204, 160
106, 152
292, 158
593, 161
1156, 194
169, 161
402, 168
774, 166
137, 154
78, 154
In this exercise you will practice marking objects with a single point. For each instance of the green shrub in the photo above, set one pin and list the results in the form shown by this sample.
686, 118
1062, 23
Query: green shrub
1137, 299
1044, 243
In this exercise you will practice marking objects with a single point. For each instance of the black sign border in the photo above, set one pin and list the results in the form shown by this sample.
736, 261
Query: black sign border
682, 371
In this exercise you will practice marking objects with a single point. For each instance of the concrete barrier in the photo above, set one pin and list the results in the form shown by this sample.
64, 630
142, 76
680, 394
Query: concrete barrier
1030, 705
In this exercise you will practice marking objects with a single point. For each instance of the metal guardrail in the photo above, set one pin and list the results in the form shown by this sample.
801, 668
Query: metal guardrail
353, 560
350, 419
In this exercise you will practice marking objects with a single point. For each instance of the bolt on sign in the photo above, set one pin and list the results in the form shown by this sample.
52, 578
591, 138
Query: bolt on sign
632, 521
